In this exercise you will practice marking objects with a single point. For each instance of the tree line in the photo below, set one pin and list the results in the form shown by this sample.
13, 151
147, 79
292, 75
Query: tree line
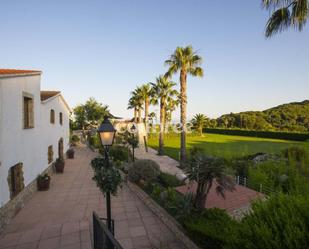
292, 117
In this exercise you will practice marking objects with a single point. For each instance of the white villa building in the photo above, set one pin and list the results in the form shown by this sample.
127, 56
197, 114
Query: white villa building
34, 131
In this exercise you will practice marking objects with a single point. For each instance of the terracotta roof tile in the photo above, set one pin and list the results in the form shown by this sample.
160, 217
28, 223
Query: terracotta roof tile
48, 94
12, 72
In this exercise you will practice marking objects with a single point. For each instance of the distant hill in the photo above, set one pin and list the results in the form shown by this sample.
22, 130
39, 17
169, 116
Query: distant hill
287, 117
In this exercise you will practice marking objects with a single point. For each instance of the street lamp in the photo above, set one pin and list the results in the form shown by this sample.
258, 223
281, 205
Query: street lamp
107, 135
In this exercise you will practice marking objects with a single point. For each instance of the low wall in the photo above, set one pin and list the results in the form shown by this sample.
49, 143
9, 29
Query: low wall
10, 209
164, 216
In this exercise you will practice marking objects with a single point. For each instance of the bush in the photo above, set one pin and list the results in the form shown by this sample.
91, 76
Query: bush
167, 180
281, 222
119, 153
265, 134
74, 139
144, 169
295, 153
212, 230
94, 141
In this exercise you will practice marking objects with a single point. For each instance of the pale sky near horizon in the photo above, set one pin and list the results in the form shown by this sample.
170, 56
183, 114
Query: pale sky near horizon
104, 49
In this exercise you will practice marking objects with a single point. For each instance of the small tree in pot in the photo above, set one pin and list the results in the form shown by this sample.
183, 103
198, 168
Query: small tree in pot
59, 165
43, 182
106, 176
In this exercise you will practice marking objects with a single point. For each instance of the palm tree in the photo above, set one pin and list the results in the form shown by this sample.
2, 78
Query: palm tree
186, 61
147, 94
172, 104
134, 104
204, 170
138, 101
286, 13
163, 90
199, 121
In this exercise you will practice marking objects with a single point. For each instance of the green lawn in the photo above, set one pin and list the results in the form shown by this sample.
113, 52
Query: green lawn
226, 146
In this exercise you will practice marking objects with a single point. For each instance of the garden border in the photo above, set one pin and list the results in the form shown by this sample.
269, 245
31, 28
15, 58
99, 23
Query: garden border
163, 215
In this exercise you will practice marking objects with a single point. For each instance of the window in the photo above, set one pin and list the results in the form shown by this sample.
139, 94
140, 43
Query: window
60, 118
52, 116
16, 180
50, 154
28, 112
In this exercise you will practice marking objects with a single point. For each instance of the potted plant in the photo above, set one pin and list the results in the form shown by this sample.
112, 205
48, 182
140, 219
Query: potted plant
70, 153
59, 165
43, 182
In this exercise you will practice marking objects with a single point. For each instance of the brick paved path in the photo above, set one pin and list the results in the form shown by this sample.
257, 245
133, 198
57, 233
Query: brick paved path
61, 217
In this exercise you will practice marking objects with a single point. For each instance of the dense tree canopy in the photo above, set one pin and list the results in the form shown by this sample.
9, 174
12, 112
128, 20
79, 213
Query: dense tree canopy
90, 113
287, 117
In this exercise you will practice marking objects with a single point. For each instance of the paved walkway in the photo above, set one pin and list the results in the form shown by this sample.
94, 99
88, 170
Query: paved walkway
62, 216
167, 164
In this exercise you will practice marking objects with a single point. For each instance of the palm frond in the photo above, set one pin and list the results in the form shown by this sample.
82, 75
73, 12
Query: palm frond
279, 21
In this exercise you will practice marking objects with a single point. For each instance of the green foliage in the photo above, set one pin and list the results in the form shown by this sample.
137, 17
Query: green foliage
199, 121
144, 169
119, 153
285, 14
94, 141
213, 229
281, 222
292, 117
90, 113
168, 180
74, 139
107, 177
203, 170
295, 153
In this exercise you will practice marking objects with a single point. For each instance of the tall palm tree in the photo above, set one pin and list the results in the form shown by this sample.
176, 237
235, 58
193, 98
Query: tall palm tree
163, 89
134, 104
147, 94
185, 60
199, 121
286, 13
138, 97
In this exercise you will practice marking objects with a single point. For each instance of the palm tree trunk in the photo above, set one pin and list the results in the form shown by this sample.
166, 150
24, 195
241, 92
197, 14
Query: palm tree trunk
139, 115
162, 123
183, 114
135, 115
146, 112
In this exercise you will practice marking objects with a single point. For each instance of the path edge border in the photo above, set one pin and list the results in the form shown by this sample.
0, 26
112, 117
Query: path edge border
163, 215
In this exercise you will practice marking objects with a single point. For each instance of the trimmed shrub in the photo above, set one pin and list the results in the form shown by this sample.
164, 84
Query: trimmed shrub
143, 169
167, 180
212, 230
264, 134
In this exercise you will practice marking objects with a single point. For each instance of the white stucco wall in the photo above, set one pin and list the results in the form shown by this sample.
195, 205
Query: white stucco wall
29, 146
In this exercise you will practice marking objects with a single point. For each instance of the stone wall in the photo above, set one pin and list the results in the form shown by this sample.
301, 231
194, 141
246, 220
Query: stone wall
10, 209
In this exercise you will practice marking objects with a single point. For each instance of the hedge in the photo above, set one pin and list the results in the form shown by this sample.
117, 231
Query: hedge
263, 134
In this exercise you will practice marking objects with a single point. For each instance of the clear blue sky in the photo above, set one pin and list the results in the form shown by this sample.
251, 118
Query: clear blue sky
105, 48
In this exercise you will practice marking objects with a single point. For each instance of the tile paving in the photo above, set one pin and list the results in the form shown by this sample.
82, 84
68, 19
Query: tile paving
62, 216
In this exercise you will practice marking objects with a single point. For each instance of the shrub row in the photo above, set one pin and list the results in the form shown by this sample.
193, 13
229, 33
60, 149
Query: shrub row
263, 134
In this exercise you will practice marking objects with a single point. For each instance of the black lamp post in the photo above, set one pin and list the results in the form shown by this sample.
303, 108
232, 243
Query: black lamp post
107, 135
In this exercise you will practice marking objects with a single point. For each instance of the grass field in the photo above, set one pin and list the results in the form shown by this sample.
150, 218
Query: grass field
226, 146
